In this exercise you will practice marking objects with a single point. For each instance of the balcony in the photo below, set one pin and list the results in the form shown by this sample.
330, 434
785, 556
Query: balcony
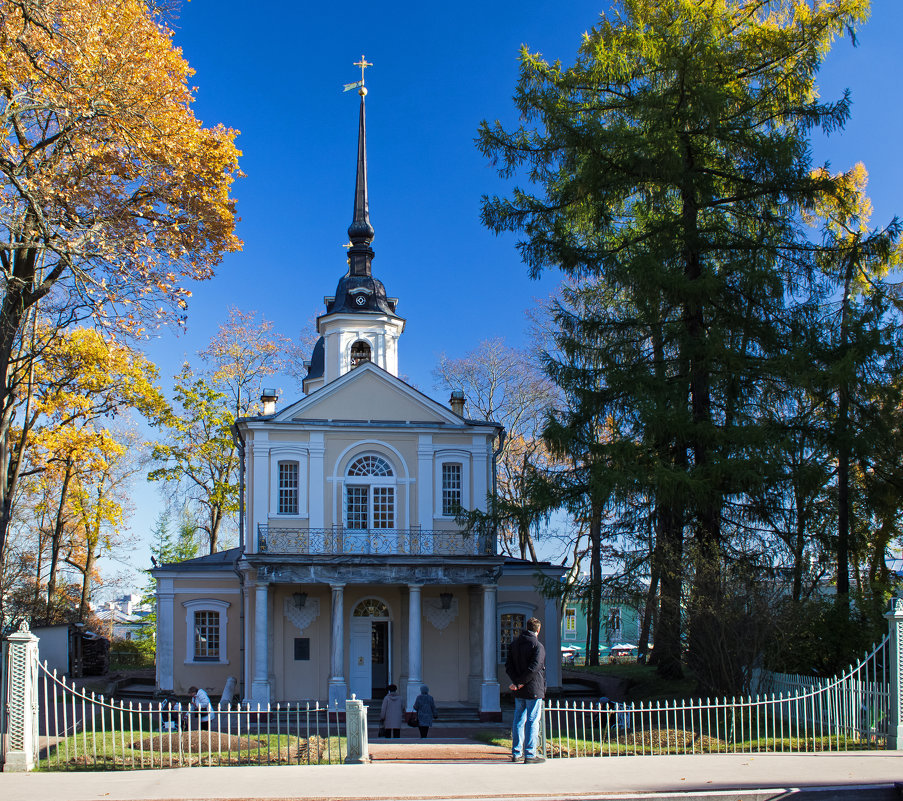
371, 542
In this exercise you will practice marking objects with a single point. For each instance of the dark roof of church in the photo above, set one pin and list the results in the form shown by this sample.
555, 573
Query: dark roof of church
211, 561
352, 287
317, 360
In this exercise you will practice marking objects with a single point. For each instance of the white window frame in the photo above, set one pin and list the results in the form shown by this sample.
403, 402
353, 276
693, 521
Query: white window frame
206, 605
371, 482
569, 612
510, 608
283, 492
281, 453
451, 457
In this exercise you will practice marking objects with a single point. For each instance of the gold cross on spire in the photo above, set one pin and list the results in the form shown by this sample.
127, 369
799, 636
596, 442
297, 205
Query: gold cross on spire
363, 64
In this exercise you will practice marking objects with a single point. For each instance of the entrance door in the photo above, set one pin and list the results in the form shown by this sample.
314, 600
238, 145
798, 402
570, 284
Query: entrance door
361, 658
380, 652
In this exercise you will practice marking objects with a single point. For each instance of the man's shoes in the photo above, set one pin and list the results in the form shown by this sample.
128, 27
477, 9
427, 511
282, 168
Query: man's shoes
516, 758
535, 760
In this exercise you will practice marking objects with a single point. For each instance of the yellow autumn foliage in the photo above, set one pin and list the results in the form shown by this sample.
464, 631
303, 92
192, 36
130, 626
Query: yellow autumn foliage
109, 185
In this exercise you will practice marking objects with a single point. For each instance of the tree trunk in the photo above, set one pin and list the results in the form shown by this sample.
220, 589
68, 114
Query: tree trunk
595, 582
56, 538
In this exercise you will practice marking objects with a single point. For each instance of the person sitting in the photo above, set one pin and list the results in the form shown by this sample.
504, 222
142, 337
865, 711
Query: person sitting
200, 701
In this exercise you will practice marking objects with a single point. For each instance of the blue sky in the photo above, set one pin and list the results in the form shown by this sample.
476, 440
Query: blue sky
274, 71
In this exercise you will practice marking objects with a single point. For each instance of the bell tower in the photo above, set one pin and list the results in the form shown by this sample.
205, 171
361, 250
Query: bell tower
360, 324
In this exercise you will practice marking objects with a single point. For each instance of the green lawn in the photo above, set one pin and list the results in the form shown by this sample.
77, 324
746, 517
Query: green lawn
678, 741
132, 749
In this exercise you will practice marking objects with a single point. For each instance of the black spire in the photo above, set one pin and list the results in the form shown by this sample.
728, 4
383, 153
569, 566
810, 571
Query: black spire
360, 232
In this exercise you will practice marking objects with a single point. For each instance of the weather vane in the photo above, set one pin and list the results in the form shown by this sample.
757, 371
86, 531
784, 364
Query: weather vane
359, 85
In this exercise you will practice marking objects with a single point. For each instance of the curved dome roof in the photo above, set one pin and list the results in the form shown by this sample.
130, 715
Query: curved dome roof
361, 294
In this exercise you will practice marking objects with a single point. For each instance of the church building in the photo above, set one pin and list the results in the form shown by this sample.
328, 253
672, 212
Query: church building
351, 571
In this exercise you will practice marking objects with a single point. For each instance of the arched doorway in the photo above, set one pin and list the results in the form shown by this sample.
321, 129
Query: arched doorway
370, 651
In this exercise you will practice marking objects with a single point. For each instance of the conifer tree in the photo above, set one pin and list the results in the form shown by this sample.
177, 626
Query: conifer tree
670, 164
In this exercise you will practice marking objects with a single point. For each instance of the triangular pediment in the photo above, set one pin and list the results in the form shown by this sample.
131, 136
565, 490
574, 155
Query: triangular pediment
369, 393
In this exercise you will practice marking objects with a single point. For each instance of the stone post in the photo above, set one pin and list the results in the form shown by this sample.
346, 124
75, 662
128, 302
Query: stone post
895, 629
19, 702
356, 732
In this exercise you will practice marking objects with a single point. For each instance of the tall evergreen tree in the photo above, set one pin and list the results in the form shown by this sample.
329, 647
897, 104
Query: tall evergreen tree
672, 163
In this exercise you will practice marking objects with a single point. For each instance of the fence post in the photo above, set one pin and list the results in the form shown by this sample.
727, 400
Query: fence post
356, 732
895, 629
19, 728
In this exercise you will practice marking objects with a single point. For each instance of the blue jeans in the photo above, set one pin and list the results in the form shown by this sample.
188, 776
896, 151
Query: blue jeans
527, 712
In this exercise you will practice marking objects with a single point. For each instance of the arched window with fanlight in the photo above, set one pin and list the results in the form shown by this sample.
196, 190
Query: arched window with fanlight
369, 493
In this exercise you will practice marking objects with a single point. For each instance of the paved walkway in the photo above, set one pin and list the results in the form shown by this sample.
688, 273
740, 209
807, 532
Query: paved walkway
400, 771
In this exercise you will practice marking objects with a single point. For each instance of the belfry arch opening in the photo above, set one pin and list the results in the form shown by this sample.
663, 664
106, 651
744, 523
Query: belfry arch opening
360, 353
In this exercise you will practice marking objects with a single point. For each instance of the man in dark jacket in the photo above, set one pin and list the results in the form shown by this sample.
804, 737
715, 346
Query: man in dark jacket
526, 667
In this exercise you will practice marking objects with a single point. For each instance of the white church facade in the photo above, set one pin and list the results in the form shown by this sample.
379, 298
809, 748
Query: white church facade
351, 571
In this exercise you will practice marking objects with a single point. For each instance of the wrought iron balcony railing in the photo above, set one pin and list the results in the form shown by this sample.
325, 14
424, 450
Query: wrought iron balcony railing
373, 541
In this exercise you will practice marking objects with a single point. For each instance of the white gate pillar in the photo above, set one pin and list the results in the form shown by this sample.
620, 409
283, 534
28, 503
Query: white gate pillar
19, 702
895, 629
356, 732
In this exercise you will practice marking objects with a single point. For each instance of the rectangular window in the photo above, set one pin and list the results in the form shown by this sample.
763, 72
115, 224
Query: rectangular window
356, 507
288, 488
206, 636
383, 507
302, 649
451, 488
570, 623
512, 626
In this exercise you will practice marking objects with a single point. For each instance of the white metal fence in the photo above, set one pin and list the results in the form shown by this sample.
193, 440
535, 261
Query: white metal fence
848, 712
81, 730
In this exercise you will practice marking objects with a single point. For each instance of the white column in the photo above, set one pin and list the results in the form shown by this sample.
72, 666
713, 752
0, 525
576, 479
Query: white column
165, 634
260, 688
317, 483
414, 645
490, 708
338, 690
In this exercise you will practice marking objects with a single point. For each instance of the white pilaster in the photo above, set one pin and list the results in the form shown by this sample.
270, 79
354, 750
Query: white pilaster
165, 634
425, 481
258, 481
480, 471
414, 645
260, 688
317, 487
490, 708
338, 690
